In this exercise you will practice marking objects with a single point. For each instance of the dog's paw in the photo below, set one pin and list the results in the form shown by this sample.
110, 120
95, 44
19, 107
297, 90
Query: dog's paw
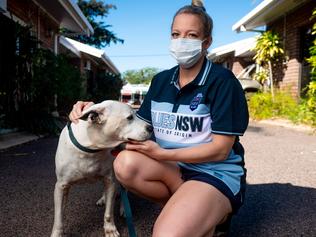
110, 230
57, 234
101, 202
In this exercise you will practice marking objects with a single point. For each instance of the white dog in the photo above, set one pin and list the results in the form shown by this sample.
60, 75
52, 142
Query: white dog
83, 154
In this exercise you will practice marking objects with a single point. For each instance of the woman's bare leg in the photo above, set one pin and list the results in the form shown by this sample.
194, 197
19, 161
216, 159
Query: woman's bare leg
147, 177
194, 210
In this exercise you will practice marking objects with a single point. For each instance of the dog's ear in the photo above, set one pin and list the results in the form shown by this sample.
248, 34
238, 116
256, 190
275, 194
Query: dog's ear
95, 114
91, 116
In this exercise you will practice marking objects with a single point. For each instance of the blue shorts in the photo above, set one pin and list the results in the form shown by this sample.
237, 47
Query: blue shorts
235, 200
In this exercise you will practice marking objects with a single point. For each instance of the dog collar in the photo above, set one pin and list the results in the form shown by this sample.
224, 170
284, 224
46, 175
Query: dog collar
77, 144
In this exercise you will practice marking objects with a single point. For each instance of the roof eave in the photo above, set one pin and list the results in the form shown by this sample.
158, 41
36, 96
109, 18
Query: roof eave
77, 15
237, 49
266, 12
109, 63
93, 52
240, 25
69, 46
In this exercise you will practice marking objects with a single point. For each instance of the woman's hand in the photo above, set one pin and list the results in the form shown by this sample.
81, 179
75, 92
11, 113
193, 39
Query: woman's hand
215, 151
149, 148
77, 109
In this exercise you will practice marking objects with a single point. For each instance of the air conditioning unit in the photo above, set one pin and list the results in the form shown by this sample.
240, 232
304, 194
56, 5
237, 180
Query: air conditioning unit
87, 65
3, 6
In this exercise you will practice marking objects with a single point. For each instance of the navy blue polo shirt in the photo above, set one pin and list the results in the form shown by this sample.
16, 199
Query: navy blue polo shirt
213, 102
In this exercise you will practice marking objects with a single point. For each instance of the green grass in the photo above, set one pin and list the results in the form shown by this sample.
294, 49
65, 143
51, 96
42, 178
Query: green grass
261, 106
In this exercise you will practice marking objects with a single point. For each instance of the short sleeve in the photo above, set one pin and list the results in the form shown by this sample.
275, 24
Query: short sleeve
229, 110
144, 111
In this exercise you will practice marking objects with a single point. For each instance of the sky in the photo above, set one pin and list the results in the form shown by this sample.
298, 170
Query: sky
145, 25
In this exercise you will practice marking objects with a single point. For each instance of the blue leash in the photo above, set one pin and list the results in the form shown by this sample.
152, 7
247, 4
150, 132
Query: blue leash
128, 213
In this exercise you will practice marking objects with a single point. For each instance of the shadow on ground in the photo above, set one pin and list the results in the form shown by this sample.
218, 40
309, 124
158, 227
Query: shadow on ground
27, 181
276, 210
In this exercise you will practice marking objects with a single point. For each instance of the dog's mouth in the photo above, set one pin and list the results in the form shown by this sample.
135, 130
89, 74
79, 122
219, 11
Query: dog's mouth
134, 140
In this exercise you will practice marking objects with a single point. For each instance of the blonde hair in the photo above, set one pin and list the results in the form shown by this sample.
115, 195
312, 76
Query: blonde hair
197, 8
197, 3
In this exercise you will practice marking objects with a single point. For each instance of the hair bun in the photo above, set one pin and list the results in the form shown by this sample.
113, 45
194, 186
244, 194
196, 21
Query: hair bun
198, 3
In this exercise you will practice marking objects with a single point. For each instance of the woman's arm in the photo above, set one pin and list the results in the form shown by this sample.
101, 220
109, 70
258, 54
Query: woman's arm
217, 150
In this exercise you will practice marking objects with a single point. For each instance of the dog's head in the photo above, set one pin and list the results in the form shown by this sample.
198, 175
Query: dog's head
116, 121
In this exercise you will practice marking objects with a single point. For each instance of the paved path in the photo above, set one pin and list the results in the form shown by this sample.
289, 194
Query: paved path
281, 195
280, 200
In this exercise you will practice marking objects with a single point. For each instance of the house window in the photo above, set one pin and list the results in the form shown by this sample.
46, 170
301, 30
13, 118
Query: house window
226, 64
306, 41
17, 46
3, 5
87, 65
90, 77
56, 44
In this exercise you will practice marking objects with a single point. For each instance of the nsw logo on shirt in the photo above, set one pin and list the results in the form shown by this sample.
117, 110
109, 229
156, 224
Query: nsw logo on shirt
181, 128
196, 101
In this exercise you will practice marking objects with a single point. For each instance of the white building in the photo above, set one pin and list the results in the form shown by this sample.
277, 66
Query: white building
134, 94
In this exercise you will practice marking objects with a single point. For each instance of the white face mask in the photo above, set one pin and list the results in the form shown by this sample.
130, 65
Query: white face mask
186, 51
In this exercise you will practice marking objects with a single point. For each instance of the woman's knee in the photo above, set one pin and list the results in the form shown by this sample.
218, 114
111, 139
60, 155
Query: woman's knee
165, 229
161, 230
125, 166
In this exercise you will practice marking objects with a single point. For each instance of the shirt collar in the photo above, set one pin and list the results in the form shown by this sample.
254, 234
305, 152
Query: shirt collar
200, 78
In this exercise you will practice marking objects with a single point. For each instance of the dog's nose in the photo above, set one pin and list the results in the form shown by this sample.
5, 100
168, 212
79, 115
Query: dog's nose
149, 128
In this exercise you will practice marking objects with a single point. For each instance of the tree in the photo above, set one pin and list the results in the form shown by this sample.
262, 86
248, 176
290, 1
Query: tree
311, 93
142, 76
268, 48
107, 87
95, 11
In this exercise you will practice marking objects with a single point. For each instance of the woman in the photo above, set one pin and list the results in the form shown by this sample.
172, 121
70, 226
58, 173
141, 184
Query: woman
195, 167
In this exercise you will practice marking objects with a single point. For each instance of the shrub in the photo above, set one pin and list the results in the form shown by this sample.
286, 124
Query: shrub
41, 79
69, 85
310, 104
43, 83
306, 115
269, 49
262, 106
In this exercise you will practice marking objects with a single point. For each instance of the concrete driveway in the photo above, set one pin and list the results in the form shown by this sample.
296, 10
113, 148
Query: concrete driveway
280, 200
281, 195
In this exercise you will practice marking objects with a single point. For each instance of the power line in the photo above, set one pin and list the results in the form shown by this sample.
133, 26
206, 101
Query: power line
138, 55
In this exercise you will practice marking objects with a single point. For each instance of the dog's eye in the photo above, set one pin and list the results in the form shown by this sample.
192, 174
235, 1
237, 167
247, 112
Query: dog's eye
130, 117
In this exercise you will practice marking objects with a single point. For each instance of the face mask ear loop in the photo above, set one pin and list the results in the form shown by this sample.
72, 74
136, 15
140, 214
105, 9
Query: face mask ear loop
204, 51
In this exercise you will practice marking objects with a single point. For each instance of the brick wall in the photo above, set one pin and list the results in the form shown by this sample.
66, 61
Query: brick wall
43, 26
235, 64
239, 64
48, 29
289, 27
